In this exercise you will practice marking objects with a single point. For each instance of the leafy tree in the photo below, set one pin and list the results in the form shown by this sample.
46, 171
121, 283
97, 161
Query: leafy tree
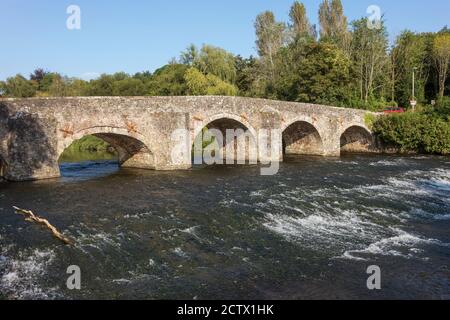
168, 81
316, 73
19, 87
369, 53
129, 87
410, 51
38, 76
334, 24
102, 86
441, 52
58, 86
216, 61
143, 76
77, 88
299, 22
248, 76
270, 36
201, 84
2, 88
189, 56
46, 82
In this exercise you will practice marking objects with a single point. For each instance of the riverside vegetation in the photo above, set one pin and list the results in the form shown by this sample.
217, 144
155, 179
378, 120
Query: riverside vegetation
338, 63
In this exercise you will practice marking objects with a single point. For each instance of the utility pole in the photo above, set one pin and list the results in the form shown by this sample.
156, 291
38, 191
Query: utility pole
414, 102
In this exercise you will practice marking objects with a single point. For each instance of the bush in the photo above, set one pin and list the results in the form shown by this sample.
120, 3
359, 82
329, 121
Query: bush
443, 107
415, 132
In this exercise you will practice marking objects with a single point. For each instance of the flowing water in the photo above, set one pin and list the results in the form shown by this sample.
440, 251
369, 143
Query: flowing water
309, 232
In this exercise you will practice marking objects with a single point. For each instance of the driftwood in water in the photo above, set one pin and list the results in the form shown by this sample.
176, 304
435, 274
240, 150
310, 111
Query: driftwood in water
31, 217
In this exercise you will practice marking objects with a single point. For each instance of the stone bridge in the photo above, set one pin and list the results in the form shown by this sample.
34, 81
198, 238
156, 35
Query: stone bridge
34, 132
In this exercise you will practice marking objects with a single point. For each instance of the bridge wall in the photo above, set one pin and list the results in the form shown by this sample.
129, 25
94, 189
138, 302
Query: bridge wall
35, 132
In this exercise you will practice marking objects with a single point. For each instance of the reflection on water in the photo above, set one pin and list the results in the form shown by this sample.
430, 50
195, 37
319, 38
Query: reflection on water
74, 156
226, 232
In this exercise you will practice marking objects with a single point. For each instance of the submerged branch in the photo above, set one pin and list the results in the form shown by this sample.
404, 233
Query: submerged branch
31, 217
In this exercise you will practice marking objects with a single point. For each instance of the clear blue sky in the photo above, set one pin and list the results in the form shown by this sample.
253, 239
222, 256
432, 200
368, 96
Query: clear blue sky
137, 35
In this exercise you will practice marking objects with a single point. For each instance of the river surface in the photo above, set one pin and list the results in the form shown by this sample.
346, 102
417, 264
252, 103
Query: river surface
309, 232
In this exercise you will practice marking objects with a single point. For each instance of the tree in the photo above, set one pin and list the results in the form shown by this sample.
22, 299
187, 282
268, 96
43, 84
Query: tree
299, 23
58, 87
409, 51
2, 88
38, 75
77, 88
270, 36
369, 52
168, 81
200, 84
189, 56
315, 73
19, 87
334, 24
129, 87
441, 53
216, 61
46, 82
248, 76
102, 86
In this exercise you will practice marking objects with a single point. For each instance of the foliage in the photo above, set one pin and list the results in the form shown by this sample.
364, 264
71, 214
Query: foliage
441, 53
216, 61
410, 51
334, 25
19, 87
369, 53
299, 22
369, 120
315, 72
201, 84
270, 37
128, 87
415, 132
168, 81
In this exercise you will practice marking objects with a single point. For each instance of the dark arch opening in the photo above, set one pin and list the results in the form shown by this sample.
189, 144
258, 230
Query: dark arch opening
241, 145
302, 138
356, 140
106, 150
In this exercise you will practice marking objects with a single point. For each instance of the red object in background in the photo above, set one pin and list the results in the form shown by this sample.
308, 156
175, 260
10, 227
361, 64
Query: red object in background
394, 110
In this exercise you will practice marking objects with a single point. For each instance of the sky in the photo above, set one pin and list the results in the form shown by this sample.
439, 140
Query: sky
138, 35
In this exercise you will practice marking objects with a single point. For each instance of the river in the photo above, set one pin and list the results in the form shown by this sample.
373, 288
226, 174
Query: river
309, 232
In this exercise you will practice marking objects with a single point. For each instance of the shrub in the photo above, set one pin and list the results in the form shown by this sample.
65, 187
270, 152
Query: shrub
414, 132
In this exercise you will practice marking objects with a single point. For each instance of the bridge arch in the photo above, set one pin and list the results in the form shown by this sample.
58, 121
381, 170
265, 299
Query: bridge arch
131, 148
245, 138
205, 122
356, 138
301, 137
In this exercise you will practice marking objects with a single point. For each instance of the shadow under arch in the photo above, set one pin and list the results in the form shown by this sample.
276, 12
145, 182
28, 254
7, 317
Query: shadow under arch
357, 139
239, 147
302, 138
131, 151
3, 166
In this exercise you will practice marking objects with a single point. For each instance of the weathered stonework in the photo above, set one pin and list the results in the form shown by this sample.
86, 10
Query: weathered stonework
34, 132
